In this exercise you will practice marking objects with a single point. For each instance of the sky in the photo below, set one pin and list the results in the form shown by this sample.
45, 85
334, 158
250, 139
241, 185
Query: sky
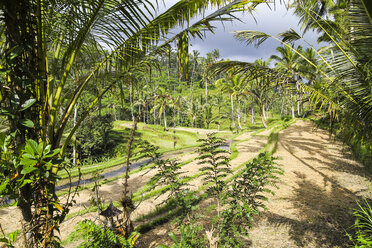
267, 20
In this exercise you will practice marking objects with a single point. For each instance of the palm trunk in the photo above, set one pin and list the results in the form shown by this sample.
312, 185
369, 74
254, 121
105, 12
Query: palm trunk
74, 158
232, 112
206, 91
165, 120
263, 116
298, 100
253, 117
238, 113
131, 100
293, 109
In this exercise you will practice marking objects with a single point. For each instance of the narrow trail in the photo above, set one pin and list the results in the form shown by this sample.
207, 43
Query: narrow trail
319, 187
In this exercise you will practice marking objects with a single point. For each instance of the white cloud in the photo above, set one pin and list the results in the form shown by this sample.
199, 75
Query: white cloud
268, 20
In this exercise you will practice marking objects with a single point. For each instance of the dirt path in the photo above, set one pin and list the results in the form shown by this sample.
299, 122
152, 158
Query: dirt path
319, 186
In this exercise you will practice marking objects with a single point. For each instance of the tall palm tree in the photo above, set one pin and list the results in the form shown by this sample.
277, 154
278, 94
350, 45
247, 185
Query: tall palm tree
289, 63
163, 101
234, 86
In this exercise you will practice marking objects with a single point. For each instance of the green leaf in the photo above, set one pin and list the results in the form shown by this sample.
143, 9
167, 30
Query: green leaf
2, 139
24, 182
28, 162
28, 123
173, 236
28, 170
16, 51
33, 144
40, 148
27, 104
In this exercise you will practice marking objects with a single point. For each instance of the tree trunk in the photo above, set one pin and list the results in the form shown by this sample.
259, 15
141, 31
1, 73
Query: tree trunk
238, 113
131, 100
74, 146
292, 107
206, 91
263, 121
165, 120
232, 112
263, 116
253, 117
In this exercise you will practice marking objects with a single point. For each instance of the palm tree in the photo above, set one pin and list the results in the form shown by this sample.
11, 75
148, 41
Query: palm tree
208, 114
234, 86
289, 63
194, 112
163, 101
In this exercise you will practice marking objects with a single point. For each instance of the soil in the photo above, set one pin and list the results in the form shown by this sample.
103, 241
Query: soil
311, 208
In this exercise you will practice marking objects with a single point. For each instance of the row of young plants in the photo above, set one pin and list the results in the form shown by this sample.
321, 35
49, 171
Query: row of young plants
139, 194
189, 199
236, 202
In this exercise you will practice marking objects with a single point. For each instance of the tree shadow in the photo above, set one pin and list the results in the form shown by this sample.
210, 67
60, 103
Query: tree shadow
323, 216
323, 208
295, 141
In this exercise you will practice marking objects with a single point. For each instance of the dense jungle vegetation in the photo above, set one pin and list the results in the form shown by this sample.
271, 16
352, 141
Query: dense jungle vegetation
88, 87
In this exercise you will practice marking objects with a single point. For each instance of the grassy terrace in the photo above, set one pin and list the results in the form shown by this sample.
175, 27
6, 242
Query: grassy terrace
153, 134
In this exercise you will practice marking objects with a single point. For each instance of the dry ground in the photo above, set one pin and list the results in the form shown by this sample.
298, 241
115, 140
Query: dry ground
317, 191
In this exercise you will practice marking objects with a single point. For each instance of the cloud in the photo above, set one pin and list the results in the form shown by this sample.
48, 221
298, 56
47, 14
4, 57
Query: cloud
266, 19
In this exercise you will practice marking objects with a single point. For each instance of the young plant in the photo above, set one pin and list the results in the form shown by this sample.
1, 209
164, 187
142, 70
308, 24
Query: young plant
245, 198
96, 236
216, 164
362, 226
191, 236
33, 167
169, 175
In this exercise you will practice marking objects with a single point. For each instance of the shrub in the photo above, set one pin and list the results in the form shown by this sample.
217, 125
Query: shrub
97, 236
362, 226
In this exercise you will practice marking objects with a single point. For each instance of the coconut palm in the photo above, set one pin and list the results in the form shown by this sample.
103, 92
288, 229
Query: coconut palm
234, 86
194, 112
163, 101
288, 63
